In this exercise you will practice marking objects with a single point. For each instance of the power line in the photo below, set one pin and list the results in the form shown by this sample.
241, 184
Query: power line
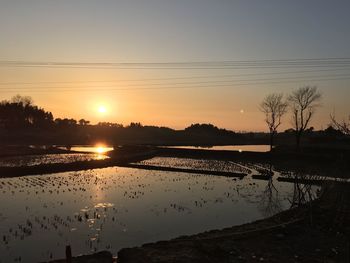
303, 60
230, 64
174, 78
317, 64
199, 82
237, 81
182, 87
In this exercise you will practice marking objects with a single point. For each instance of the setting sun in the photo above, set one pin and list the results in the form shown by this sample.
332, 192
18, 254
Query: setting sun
102, 109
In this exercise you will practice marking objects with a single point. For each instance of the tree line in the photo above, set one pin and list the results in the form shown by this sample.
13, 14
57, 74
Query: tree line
20, 112
22, 121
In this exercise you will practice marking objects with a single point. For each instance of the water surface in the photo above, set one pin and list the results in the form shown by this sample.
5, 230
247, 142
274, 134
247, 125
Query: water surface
240, 148
92, 149
31, 160
112, 208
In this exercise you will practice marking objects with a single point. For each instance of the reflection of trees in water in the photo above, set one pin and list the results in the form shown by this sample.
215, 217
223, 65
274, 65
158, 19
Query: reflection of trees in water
270, 200
304, 189
305, 192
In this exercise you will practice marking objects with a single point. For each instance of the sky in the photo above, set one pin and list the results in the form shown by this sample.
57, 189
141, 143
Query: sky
164, 31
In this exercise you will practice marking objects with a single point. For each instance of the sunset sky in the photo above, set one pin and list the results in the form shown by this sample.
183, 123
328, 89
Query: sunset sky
186, 31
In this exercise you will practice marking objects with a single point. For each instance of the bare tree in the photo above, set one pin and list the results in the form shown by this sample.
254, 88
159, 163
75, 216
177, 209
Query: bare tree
274, 108
303, 103
342, 126
24, 100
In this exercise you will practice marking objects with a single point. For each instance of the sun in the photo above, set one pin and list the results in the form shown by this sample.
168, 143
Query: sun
102, 109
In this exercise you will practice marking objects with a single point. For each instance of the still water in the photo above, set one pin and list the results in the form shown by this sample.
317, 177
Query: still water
92, 149
240, 148
112, 208
79, 153
31, 160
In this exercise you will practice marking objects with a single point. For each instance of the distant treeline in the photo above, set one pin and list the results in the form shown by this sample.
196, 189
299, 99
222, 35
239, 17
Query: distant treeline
21, 122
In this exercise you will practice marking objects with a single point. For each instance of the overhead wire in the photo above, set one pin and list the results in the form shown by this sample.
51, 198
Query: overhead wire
312, 65
229, 64
180, 87
174, 78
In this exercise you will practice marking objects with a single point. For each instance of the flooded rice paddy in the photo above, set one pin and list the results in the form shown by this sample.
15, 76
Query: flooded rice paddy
197, 164
32, 160
112, 208
240, 148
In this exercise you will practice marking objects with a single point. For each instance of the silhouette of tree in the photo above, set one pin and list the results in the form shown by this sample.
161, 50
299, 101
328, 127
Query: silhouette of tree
274, 108
342, 126
303, 103
332, 132
135, 125
110, 124
65, 122
207, 129
83, 122
202, 128
24, 100
290, 130
20, 112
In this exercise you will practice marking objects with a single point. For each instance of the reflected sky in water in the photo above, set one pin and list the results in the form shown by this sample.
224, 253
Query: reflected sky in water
240, 148
112, 208
87, 153
92, 149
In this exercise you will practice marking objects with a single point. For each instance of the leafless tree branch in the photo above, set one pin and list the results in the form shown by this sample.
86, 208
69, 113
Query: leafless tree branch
303, 103
274, 107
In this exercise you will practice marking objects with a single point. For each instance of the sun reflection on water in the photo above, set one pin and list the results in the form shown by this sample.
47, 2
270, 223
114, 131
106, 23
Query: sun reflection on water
101, 149
98, 148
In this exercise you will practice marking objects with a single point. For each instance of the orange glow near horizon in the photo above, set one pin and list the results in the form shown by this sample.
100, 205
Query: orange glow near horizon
233, 108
